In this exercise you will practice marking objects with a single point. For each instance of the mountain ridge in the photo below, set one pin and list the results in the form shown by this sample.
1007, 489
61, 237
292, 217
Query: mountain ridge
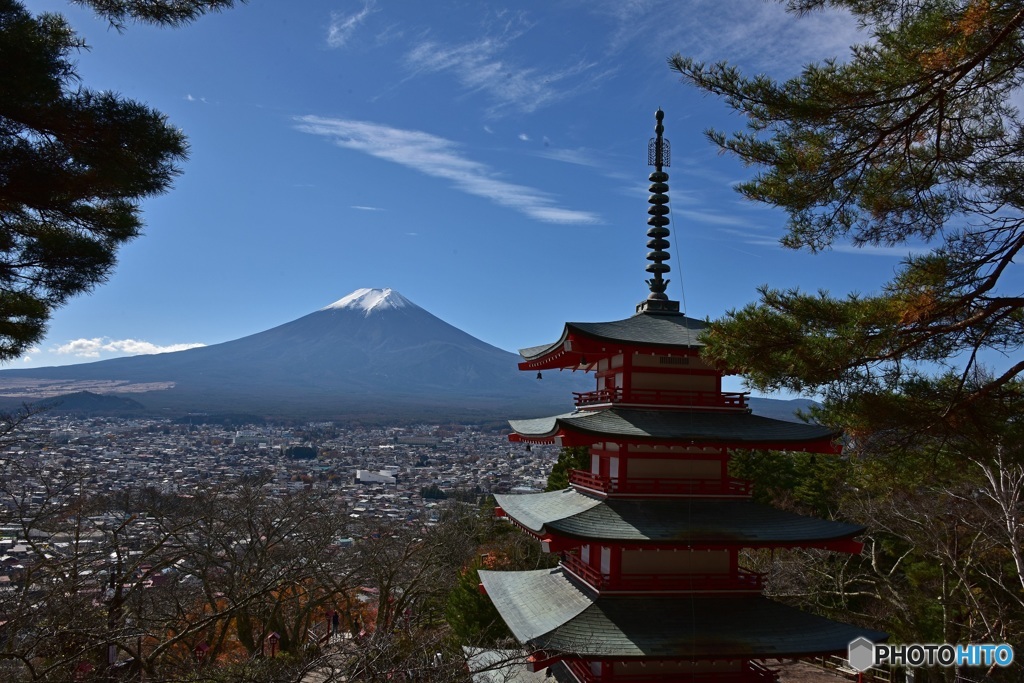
371, 350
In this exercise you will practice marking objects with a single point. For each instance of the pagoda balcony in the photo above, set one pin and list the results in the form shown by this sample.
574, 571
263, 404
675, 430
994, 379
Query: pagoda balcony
752, 672
676, 398
743, 581
740, 488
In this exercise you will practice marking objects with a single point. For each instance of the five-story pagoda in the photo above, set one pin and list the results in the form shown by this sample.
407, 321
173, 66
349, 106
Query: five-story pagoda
649, 587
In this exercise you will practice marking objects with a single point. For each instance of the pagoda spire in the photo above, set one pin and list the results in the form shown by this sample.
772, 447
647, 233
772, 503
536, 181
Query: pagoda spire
659, 155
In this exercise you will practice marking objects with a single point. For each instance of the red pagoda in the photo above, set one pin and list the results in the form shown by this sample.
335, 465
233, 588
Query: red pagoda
650, 586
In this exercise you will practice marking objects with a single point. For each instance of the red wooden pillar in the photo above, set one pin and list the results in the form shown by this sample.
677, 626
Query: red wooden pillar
627, 374
615, 570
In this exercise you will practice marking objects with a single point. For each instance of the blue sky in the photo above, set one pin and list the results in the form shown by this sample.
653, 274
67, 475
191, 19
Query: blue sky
488, 161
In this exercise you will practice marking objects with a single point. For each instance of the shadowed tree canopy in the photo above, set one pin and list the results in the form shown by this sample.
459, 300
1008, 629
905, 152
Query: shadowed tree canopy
569, 458
161, 12
915, 140
74, 163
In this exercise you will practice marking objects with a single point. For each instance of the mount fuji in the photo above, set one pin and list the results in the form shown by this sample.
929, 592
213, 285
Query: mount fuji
372, 355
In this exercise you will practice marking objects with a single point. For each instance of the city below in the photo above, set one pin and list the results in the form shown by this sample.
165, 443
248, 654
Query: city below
375, 473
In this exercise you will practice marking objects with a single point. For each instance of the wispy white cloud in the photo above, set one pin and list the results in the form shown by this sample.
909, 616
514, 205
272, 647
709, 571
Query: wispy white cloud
190, 98
481, 66
367, 208
765, 36
343, 26
747, 236
92, 348
388, 35
441, 158
756, 34
902, 251
713, 218
524, 137
580, 157
732, 245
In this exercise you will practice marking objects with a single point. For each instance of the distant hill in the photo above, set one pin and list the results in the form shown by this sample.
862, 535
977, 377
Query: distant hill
86, 402
780, 409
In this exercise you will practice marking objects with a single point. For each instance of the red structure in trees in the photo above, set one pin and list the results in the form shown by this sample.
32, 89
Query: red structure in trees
650, 585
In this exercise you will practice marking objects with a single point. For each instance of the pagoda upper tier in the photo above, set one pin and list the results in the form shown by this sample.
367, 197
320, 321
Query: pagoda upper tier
583, 344
650, 360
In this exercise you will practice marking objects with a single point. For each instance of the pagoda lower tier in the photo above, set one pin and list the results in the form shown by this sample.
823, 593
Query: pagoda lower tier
643, 546
607, 637
567, 519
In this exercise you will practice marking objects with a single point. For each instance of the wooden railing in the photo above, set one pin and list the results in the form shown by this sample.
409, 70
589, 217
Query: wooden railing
743, 580
841, 666
751, 673
584, 571
589, 480
663, 397
652, 486
702, 487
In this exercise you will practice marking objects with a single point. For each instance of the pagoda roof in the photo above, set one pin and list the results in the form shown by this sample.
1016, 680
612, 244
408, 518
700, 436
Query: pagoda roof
547, 610
660, 329
732, 429
673, 522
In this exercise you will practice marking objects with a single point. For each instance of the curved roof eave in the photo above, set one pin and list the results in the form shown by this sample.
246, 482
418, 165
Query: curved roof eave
730, 429
668, 330
677, 522
549, 611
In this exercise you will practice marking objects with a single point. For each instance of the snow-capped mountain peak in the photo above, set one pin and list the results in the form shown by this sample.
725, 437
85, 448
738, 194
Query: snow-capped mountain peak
369, 300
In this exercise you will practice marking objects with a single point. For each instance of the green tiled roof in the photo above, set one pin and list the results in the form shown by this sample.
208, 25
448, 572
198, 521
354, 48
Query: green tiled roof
677, 426
644, 328
538, 426
535, 510
534, 603
693, 522
545, 609
535, 351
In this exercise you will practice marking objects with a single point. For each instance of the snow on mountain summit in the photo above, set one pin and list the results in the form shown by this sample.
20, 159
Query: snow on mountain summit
369, 300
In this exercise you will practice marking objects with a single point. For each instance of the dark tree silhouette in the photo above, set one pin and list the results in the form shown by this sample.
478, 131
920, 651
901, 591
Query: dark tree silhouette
74, 163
